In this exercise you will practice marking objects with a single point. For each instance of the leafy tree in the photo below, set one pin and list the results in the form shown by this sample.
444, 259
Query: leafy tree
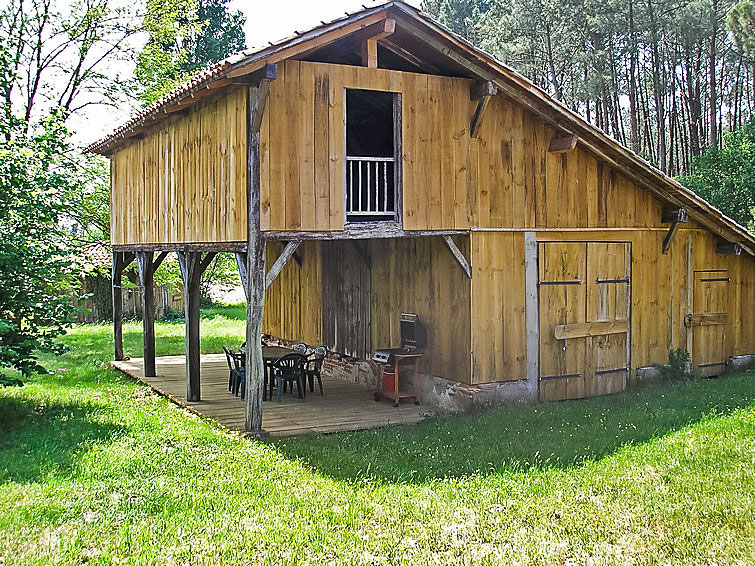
726, 177
741, 22
222, 34
37, 181
184, 37
59, 54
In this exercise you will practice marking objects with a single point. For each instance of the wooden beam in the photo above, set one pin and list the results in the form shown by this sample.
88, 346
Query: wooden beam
585, 329
459, 255
532, 313
192, 265
669, 237
671, 214
728, 249
409, 57
480, 91
369, 44
255, 264
268, 72
145, 264
311, 41
120, 261
241, 264
369, 54
368, 232
562, 144
178, 247
280, 263
674, 215
707, 319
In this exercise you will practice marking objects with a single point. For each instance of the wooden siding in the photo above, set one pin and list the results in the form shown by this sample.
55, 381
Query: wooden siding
502, 178
420, 275
199, 195
416, 275
660, 291
293, 303
346, 290
303, 169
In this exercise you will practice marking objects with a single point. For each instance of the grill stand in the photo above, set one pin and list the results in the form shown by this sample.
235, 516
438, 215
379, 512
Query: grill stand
396, 394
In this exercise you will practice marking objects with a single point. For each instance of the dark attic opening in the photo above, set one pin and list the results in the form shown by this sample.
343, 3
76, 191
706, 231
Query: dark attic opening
370, 156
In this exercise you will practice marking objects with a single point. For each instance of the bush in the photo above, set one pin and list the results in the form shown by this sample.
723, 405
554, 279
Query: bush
679, 366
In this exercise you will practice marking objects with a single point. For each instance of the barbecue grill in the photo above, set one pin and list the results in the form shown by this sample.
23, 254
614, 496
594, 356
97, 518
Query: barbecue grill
412, 338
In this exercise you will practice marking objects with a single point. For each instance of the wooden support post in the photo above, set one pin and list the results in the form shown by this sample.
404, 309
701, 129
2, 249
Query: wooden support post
458, 255
120, 261
562, 144
481, 92
280, 263
369, 44
192, 265
532, 313
675, 216
241, 264
369, 54
255, 259
147, 266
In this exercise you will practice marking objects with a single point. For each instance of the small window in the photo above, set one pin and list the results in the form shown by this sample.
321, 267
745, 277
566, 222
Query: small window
371, 169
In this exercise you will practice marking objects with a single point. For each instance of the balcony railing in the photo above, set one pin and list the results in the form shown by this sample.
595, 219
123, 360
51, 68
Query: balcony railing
370, 188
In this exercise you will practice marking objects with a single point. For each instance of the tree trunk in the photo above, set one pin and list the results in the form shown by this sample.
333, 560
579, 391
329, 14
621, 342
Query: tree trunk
713, 108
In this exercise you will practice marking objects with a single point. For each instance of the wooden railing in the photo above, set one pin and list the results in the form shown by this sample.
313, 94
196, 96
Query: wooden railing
370, 187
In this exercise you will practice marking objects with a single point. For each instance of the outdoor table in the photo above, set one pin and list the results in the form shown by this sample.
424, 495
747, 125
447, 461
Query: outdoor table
269, 355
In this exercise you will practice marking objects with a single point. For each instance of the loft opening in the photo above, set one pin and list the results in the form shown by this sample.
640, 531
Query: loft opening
371, 155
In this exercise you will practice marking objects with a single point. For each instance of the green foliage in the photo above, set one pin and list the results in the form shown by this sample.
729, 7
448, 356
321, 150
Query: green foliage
741, 22
678, 367
185, 36
726, 177
37, 182
222, 33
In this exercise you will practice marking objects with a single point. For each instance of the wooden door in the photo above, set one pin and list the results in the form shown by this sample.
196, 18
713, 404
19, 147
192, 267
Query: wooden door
584, 294
346, 288
708, 320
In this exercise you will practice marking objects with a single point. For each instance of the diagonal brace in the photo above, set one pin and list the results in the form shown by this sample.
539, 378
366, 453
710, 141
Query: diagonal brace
280, 263
459, 255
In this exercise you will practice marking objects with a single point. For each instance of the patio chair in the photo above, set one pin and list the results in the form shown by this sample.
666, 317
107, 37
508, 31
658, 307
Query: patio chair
288, 369
301, 348
313, 368
233, 371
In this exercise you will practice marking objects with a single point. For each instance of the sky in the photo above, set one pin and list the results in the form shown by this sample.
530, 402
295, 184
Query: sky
266, 21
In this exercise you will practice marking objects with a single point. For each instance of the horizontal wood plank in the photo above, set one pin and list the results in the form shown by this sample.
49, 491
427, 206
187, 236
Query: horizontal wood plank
584, 329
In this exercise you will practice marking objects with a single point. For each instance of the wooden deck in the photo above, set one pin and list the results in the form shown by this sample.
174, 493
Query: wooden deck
344, 406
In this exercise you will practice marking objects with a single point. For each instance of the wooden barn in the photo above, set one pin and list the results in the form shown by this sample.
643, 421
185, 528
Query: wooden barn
405, 170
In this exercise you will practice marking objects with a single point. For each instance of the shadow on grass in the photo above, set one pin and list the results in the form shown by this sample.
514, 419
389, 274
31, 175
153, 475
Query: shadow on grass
40, 440
519, 438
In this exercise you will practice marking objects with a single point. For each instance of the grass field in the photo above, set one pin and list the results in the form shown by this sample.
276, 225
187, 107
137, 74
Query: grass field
96, 469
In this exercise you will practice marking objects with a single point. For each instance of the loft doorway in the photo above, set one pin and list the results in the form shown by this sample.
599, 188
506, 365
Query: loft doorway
372, 169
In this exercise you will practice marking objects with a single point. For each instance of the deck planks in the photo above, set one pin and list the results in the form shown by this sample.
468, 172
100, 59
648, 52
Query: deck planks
345, 406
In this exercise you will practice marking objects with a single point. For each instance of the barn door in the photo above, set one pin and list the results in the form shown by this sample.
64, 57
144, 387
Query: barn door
584, 318
346, 287
708, 320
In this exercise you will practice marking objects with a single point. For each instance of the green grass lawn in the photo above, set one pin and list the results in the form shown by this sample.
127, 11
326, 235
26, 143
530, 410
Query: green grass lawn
96, 469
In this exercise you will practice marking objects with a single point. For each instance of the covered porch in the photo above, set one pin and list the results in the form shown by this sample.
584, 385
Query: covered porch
344, 406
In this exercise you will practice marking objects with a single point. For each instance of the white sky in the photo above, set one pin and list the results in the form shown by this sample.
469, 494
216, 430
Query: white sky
266, 21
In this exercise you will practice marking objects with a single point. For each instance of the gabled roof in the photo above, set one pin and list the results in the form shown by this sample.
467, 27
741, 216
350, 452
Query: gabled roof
447, 53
